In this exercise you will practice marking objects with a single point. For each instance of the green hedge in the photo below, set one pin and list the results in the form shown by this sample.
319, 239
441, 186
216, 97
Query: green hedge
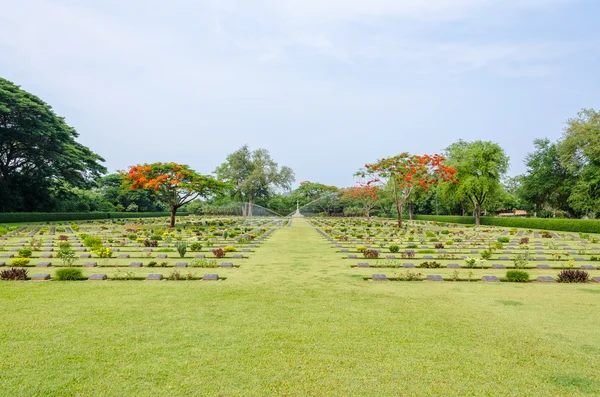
13, 217
564, 225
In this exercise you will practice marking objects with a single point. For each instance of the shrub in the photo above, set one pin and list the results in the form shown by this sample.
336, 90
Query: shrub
151, 264
572, 276
517, 276
431, 265
20, 262
91, 241
394, 248
439, 246
25, 252
371, 254
546, 235
229, 248
64, 245
182, 249
150, 243
14, 274
485, 254
524, 241
196, 246
67, 256
361, 248
503, 240
219, 253
175, 275
68, 274
408, 254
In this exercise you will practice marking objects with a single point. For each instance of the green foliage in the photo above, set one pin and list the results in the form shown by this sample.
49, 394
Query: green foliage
67, 256
517, 276
485, 254
430, 265
20, 217
394, 248
371, 254
25, 252
91, 241
195, 246
361, 248
504, 240
182, 249
68, 274
229, 248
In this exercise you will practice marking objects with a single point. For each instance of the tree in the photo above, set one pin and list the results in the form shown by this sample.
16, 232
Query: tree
174, 184
38, 152
366, 194
480, 166
546, 183
323, 196
403, 173
254, 175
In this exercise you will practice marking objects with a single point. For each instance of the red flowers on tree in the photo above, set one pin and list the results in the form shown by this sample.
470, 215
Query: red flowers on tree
366, 194
402, 173
175, 184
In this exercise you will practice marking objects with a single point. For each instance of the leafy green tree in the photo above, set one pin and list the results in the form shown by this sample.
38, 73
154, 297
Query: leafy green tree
254, 175
38, 152
324, 196
481, 166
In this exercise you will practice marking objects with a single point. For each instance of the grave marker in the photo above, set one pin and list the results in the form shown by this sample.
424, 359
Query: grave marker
379, 277
210, 277
99, 276
135, 264
155, 277
546, 279
41, 277
490, 279
90, 264
434, 277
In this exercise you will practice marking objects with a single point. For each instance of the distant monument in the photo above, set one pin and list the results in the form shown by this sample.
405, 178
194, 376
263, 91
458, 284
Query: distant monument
297, 214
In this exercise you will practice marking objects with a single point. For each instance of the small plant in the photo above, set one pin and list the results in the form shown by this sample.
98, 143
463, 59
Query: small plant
13, 274
91, 241
195, 246
25, 252
572, 276
486, 254
219, 253
229, 248
521, 259
503, 240
409, 276
546, 235
151, 264
174, 275
67, 256
150, 243
394, 248
439, 246
68, 274
361, 248
454, 275
103, 252
64, 245
371, 254
408, 254
182, 249
20, 262
517, 276
430, 265
164, 264
524, 241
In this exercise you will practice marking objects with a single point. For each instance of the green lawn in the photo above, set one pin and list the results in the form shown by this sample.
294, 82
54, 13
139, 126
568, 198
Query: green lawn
296, 319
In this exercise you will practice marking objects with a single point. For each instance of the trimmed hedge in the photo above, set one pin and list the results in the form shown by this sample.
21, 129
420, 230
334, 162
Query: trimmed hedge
14, 217
564, 225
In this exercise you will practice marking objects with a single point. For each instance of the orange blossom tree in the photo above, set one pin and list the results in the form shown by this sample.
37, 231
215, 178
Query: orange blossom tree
365, 194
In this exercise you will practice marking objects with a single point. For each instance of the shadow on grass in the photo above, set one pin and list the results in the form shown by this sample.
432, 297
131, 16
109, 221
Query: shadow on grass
579, 383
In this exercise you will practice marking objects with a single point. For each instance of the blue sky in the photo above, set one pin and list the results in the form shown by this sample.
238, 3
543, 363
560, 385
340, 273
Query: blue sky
325, 86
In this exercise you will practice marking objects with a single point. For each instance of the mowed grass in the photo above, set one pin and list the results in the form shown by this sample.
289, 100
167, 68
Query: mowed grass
296, 320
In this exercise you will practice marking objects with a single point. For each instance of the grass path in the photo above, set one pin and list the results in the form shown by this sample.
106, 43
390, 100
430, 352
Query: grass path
296, 320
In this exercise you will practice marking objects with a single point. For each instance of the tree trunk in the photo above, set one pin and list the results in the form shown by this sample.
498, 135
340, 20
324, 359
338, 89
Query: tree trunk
477, 214
368, 215
250, 204
173, 212
410, 211
399, 215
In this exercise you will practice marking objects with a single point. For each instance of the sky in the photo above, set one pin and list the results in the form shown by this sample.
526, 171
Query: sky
325, 85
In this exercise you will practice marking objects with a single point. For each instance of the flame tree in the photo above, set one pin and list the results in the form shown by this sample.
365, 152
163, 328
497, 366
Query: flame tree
401, 174
174, 184
365, 194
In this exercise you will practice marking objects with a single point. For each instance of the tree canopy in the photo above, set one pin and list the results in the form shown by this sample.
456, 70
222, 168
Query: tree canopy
38, 152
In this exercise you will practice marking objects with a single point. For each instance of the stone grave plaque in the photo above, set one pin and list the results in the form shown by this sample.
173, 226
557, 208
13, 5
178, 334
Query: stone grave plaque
226, 264
474, 251
408, 265
507, 252
543, 266
245, 249
434, 277
352, 257
147, 250
546, 279
453, 266
7, 256
46, 256
379, 277
85, 256
90, 264
161, 256
210, 277
115, 249
164, 245
362, 264
427, 257
2, 264
123, 256
106, 245
200, 256
541, 258
490, 279
98, 277
47, 249
540, 252
79, 249
579, 259
596, 279
390, 257
503, 258
135, 264
588, 267
40, 276
238, 256
498, 266
181, 264
345, 250
154, 277
44, 264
